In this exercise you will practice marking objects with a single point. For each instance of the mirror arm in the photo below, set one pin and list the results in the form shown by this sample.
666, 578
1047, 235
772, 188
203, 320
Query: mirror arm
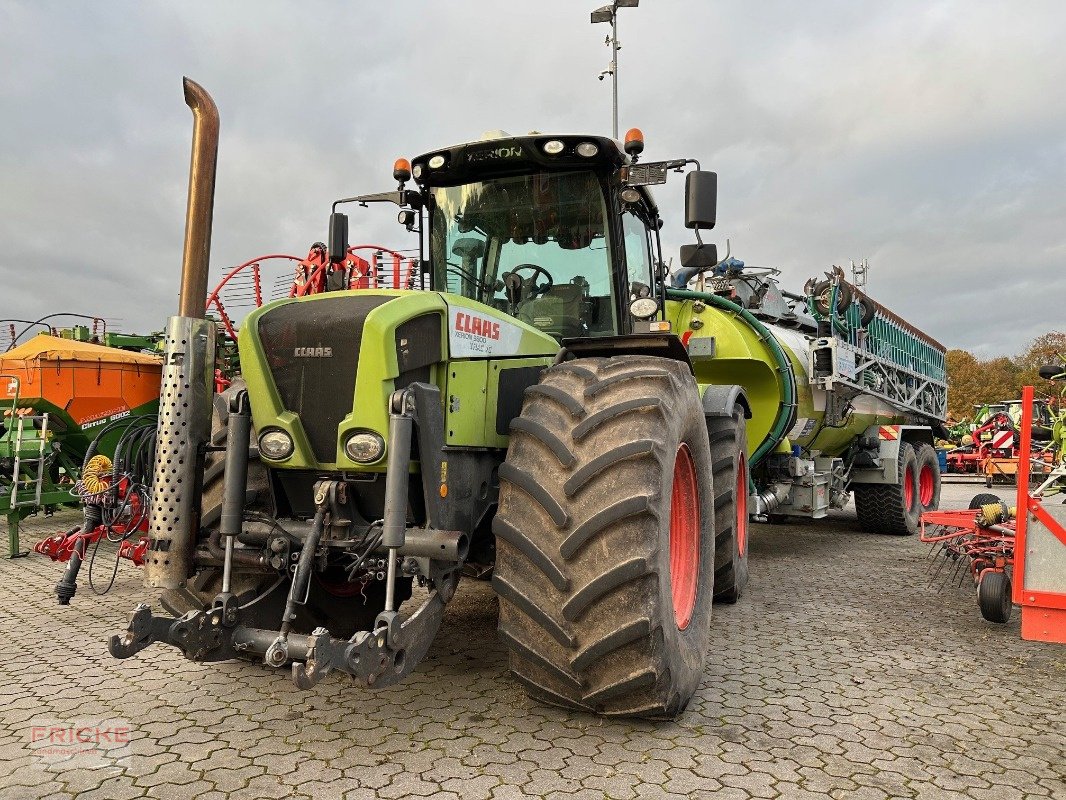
403, 199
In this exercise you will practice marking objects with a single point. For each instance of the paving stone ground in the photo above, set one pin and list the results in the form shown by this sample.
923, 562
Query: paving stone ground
842, 673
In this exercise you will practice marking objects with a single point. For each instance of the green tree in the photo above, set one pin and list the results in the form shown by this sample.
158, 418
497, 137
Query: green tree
1049, 348
974, 382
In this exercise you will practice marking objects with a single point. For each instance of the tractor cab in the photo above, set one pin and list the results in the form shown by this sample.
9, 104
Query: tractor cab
559, 232
530, 226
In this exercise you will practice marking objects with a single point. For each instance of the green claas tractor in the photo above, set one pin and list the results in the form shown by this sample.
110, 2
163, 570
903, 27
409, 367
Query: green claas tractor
531, 415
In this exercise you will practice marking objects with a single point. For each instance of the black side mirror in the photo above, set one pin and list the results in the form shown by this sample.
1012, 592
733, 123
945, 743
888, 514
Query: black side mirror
699, 256
701, 199
338, 237
1050, 372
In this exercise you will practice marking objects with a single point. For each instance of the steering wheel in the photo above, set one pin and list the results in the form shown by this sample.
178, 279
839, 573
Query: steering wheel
536, 270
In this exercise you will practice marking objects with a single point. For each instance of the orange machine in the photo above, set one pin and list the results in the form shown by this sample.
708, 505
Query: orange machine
80, 385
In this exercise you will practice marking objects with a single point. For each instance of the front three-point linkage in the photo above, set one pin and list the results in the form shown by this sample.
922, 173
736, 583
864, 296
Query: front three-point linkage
379, 657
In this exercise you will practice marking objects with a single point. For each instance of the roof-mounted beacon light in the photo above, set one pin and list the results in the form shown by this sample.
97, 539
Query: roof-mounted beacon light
401, 171
634, 144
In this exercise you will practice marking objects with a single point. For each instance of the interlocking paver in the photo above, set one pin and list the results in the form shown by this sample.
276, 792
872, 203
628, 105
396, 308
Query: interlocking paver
842, 673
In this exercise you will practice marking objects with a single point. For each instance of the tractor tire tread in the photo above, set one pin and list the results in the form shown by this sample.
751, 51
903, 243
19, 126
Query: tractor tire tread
727, 437
578, 576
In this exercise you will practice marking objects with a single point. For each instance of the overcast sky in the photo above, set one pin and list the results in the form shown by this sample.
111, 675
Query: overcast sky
929, 137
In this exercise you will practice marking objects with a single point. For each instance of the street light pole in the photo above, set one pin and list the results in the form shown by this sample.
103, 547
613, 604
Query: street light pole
610, 14
614, 74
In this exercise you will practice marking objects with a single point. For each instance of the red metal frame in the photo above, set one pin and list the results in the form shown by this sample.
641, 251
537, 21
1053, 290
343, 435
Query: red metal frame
1043, 613
311, 273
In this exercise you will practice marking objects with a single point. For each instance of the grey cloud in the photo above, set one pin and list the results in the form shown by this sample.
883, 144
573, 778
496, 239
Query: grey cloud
925, 136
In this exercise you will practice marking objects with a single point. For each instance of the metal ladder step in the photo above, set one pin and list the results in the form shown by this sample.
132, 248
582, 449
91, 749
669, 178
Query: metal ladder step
40, 438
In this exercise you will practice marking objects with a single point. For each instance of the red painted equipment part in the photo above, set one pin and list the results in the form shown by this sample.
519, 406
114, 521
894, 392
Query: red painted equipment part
996, 437
965, 534
273, 277
134, 520
63, 545
1041, 538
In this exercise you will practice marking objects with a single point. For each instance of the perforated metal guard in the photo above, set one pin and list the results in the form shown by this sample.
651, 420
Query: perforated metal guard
184, 426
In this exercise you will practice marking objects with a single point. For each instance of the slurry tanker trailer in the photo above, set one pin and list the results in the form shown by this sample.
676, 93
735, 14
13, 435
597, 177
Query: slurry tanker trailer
551, 411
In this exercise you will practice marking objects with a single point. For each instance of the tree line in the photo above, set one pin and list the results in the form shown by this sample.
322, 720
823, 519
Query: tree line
972, 381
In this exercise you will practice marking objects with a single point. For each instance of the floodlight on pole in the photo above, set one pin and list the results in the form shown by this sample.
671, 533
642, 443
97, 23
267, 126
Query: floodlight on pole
610, 14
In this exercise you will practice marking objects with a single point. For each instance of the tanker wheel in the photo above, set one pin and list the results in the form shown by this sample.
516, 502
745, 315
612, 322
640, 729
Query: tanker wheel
928, 478
891, 509
993, 597
728, 438
867, 310
605, 538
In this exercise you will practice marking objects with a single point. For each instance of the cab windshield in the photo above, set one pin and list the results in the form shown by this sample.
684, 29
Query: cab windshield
532, 246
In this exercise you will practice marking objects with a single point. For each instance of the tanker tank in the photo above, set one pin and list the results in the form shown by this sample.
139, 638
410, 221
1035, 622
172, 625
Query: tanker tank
843, 395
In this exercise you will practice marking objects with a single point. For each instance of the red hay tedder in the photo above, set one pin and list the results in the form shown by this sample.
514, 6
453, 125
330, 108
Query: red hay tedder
1015, 555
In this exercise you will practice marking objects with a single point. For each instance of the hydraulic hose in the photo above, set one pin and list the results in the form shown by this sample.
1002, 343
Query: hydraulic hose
786, 411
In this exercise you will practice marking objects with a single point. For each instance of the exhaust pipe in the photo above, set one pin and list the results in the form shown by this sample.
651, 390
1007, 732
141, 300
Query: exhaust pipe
200, 209
187, 390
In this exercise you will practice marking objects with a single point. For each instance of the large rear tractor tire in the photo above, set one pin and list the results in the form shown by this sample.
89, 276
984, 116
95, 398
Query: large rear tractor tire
605, 538
928, 478
891, 509
729, 440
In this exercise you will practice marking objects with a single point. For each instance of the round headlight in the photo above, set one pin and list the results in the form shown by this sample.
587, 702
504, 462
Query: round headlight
417, 171
587, 149
364, 447
554, 147
436, 162
644, 307
275, 444
630, 195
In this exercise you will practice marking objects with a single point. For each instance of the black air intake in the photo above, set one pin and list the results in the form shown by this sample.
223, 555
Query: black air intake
312, 352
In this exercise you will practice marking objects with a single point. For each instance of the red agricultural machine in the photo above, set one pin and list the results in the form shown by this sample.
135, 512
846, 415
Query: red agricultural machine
1014, 554
261, 280
992, 447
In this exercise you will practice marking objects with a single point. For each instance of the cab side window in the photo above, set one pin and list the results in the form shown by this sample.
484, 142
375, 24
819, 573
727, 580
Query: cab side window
638, 253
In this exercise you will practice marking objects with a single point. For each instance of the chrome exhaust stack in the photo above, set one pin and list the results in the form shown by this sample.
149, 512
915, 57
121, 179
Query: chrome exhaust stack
187, 390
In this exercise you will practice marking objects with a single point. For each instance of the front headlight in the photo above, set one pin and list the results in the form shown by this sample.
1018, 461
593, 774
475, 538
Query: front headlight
275, 444
364, 447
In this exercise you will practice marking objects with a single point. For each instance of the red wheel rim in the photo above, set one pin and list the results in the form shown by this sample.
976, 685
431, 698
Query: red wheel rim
925, 486
684, 538
742, 505
908, 487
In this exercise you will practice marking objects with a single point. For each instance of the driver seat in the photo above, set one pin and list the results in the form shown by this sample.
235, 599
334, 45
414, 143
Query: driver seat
557, 312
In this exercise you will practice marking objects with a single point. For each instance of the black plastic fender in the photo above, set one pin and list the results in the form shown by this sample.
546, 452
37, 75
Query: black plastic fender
719, 400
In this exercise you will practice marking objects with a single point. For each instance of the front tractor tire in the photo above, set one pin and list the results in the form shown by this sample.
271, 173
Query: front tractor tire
605, 538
